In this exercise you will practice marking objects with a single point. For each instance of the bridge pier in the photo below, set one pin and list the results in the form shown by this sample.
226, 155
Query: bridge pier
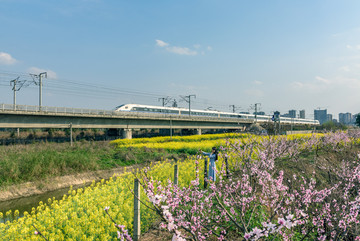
198, 131
127, 134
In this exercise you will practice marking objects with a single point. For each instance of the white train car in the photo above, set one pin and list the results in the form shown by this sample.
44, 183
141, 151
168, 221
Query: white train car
208, 113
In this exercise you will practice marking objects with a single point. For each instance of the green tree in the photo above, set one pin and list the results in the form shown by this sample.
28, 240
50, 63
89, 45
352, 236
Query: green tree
332, 126
357, 122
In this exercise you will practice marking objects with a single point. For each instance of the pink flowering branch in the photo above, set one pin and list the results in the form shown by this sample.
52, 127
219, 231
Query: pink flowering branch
261, 193
37, 232
122, 232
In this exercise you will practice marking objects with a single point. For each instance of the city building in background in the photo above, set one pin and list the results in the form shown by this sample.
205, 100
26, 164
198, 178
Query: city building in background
320, 115
329, 117
346, 118
290, 114
302, 114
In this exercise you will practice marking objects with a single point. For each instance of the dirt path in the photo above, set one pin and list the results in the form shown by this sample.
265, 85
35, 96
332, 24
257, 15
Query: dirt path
51, 184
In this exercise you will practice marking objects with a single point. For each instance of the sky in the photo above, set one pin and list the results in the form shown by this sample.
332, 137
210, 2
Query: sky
100, 54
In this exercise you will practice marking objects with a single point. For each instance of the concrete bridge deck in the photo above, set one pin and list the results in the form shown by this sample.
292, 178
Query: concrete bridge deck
23, 116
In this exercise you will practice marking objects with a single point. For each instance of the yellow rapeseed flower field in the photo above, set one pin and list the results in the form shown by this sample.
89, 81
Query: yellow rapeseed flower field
80, 214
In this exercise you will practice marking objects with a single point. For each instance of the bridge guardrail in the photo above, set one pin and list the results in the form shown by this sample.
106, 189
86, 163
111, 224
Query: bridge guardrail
68, 110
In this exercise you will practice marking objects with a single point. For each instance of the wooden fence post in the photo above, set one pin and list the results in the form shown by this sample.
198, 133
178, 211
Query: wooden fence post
205, 172
227, 167
136, 210
176, 173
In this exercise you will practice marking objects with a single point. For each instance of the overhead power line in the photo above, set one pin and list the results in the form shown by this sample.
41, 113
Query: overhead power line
187, 98
84, 89
39, 77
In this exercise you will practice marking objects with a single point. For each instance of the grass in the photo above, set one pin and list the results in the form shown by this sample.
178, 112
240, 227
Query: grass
23, 163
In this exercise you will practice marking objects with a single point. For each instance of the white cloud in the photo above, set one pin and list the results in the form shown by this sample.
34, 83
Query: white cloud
257, 82
50, 74
355, 47
322, 85
197, 48
181, 50
345, 68
322, 80
175, 49
161, 43
6, 59
297, 85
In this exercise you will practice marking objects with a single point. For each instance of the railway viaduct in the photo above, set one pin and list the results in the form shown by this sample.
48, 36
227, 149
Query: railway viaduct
25, 116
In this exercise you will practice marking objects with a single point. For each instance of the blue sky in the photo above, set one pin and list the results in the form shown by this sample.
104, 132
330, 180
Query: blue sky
100, 54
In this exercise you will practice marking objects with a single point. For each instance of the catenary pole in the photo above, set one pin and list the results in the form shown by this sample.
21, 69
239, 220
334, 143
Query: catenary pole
40, 88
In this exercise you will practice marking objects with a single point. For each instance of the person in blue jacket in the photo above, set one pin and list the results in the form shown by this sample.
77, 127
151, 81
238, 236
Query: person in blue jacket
213, 156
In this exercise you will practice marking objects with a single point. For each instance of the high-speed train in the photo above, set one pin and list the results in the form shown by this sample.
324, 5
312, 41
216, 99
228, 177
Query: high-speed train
208, 113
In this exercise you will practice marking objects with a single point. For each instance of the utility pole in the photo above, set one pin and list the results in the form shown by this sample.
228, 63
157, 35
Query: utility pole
165, 100
174, 103
277, 125
256, 104
233, 108
40, 87
15, 88
39, 76
16, 84
187, 98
